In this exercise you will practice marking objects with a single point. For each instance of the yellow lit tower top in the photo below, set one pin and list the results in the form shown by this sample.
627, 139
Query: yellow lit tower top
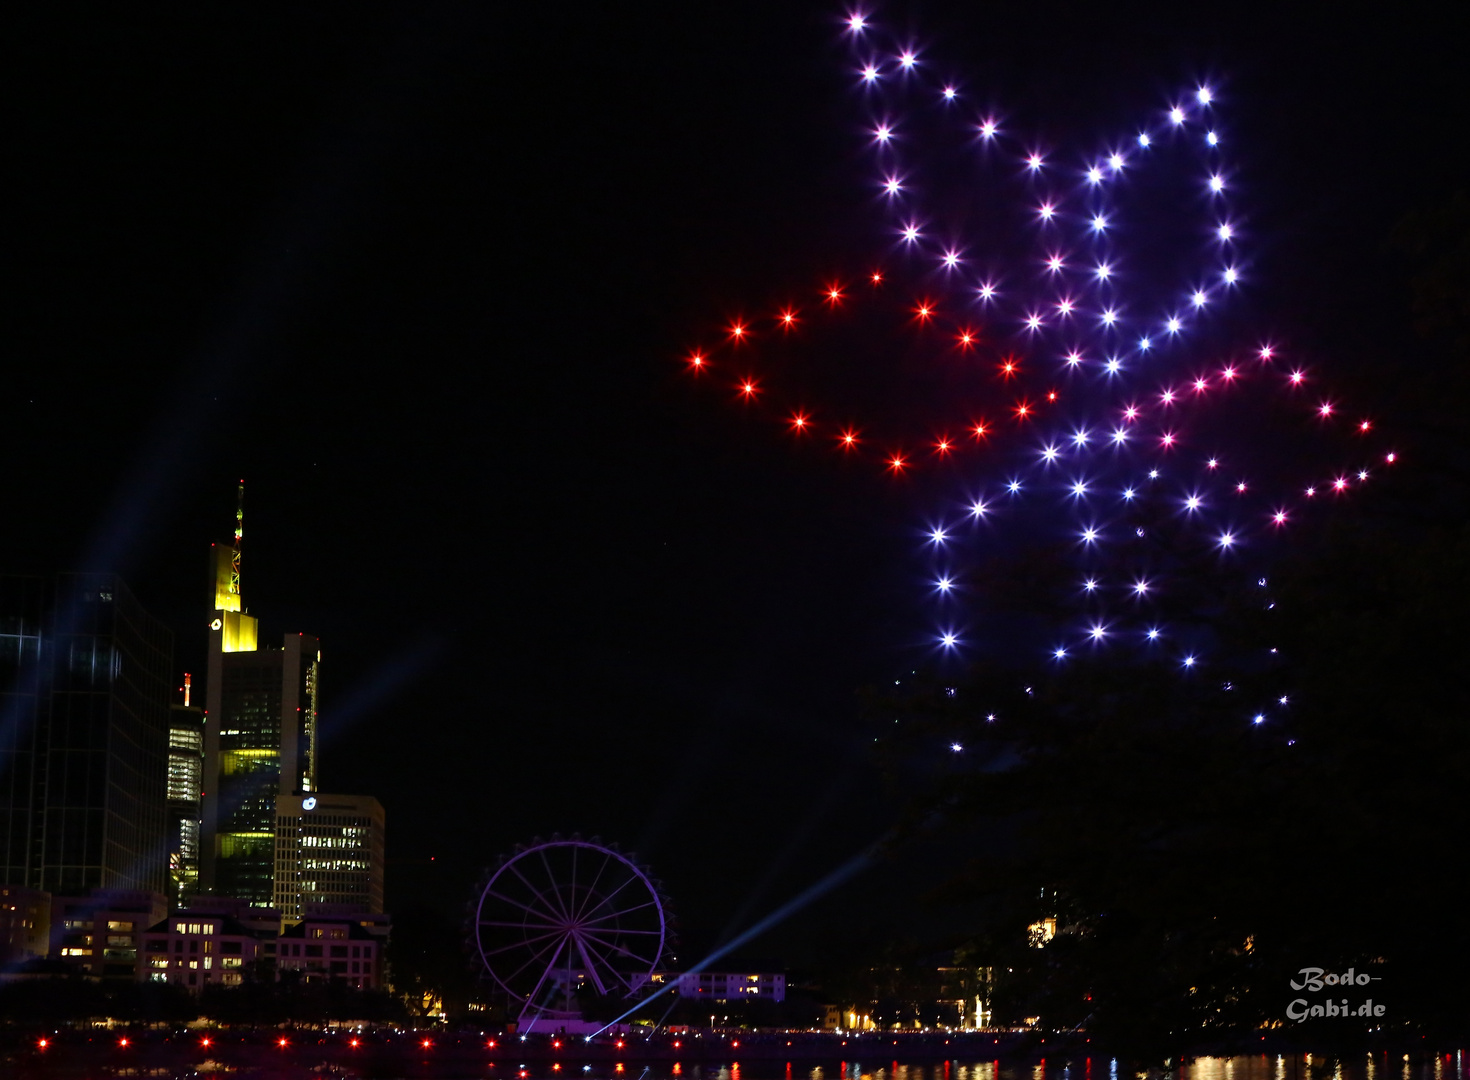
238, 630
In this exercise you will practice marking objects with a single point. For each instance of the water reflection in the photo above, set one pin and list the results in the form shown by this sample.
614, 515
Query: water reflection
1259, 1067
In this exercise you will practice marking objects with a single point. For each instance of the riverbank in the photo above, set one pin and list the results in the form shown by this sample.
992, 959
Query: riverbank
285, 1054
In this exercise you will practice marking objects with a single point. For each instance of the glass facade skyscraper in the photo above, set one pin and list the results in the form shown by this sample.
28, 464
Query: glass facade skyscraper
185, 789
85, 682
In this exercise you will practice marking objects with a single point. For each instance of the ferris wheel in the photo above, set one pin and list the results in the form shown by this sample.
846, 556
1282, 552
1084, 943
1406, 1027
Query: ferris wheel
562, 920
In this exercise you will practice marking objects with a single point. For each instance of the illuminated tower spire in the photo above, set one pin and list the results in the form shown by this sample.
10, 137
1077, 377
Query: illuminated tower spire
238, 630
239, 535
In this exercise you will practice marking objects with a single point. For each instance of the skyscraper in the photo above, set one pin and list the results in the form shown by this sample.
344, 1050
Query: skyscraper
85, 677
185, 792
259, 736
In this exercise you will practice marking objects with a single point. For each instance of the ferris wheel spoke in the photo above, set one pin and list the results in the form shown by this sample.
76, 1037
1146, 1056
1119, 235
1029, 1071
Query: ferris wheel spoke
592, 889
615, 930
614, 949
620, 949
550, 916
520, 944
639, 968
622, 911
604, 901
550, 967
587, 959
534, 957
572, 892
539, 894
552, 886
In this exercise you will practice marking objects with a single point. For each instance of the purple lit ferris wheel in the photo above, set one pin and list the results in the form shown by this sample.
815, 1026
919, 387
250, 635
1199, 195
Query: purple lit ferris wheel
562, 921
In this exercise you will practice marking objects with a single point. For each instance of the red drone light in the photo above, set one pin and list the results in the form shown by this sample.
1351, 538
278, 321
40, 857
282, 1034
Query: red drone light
122, 1042
697, 361
1366, 425
352, 1042
749, 388
834, 294
877, 278
924, 311
737, 331
979, 430
942, 446
1009, 367
42, 1043
799, 422
967, 339
426, 1044
848, 439
897, 464
280, 1042
1023, 411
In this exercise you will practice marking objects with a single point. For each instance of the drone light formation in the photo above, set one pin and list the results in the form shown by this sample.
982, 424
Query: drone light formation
1116, 364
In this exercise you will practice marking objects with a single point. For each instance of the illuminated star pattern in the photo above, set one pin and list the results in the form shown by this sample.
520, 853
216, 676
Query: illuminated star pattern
1088, 370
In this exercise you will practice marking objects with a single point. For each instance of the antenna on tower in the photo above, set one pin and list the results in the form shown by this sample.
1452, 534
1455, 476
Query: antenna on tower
239, 535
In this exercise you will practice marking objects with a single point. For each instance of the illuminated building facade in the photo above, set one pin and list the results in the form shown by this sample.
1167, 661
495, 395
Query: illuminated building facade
259, 737
85, 685
185, 789
196, 948
329, 855
329, 949
98, 935
732, 986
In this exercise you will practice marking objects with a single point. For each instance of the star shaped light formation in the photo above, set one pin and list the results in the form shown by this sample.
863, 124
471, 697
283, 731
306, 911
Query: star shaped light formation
1074, 323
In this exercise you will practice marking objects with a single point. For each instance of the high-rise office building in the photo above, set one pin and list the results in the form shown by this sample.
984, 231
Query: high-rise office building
259, 737
85, 684
185, 792
329, 855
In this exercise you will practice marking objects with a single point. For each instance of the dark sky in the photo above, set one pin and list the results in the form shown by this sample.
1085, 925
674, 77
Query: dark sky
422, 277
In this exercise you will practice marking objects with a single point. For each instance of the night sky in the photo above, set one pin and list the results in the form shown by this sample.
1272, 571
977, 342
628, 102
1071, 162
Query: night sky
423, 277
